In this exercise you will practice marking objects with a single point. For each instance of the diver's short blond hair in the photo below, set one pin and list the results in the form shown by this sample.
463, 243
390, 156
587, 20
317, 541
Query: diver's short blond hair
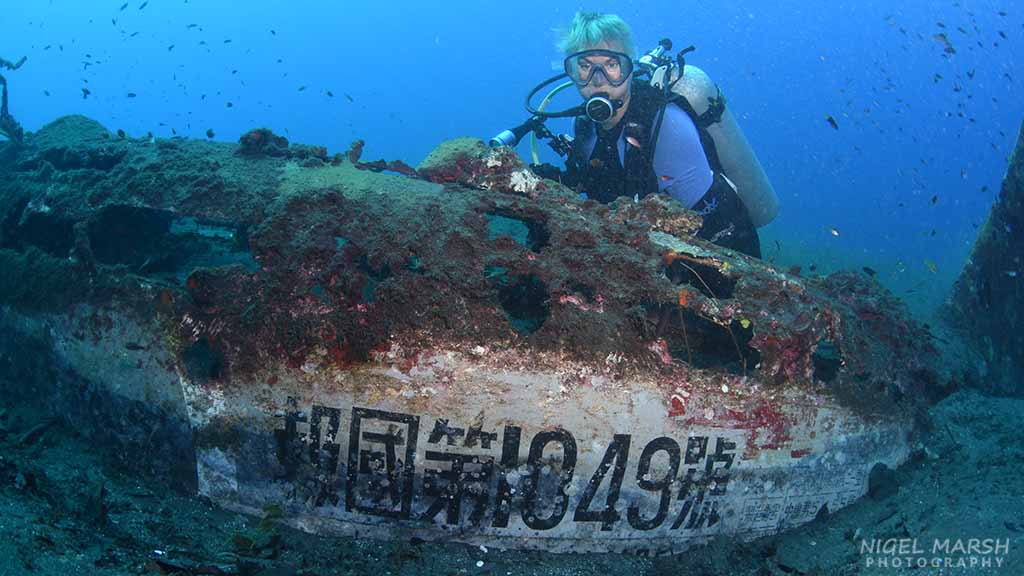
588, 29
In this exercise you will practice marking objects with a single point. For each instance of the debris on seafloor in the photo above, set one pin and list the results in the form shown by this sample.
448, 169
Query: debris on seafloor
355, 152
464, 352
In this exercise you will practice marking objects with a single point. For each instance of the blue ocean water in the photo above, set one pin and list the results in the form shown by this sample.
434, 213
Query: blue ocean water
902, 186
906, 179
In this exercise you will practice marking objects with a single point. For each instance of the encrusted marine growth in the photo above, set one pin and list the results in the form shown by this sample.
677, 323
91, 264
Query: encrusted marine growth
263, 142
253, 259
987, 304
9, 127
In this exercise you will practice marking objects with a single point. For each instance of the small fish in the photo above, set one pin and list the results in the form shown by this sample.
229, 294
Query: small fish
144, 4
596, 163
227, 41
171, 47
667, 178
191, 26
85, 93
302, 88
135, 347
47, 92
349, 98
131, 95
209, 133
330, 94
931, 266
813, 267
133, 34
1011, 273
869, 271
834, 231
946, 44
634, 142
273, 32
120, 133
935, 199
230, 105
832, 122
1003, 34
123, 6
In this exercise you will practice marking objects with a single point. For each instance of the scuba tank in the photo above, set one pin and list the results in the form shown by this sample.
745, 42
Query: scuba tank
738, 160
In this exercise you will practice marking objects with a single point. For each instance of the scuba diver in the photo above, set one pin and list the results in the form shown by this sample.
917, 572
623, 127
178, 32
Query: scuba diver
635, 136
9, 127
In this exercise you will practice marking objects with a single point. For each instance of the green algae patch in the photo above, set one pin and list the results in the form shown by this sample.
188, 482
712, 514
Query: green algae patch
355, 184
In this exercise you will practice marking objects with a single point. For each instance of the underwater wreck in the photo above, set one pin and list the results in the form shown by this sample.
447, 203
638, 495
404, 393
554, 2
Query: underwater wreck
458, 352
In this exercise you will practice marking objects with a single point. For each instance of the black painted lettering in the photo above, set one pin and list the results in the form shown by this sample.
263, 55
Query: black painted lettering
290, 441
532, 489
718, 466
466, 476
615, 458
509, 462
662, 485
323, 452
379, 477
696, 449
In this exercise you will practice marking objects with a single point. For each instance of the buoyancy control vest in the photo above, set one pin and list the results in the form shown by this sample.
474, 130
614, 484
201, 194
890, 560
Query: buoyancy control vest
603, 177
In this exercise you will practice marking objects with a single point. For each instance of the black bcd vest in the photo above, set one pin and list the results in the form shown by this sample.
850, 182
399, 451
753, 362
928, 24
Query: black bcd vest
604, 178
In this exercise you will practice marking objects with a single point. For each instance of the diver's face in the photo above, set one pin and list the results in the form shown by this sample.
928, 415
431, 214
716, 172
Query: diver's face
604, 65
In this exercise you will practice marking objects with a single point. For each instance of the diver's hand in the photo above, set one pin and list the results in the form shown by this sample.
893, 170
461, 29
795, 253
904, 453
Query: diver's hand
545, 170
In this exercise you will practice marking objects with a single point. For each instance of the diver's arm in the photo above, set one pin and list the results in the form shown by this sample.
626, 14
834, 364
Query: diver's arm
679, 161
571, 175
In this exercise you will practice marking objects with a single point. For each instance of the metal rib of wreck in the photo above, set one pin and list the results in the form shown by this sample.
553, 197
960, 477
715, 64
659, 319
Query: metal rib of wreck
472, 354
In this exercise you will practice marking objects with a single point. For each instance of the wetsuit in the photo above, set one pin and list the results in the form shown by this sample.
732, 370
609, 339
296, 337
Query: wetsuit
608, 164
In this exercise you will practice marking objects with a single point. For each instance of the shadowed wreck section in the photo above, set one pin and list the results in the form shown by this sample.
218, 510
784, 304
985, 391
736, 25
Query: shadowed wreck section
458, 351
987, 301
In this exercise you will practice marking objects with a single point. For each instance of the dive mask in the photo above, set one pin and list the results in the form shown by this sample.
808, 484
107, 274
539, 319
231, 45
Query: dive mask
581, 67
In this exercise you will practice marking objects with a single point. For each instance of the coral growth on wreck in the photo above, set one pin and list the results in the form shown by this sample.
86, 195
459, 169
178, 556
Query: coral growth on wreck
266, 252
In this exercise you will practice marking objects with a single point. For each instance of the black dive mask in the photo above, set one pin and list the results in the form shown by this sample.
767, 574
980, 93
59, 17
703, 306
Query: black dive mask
615, 67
